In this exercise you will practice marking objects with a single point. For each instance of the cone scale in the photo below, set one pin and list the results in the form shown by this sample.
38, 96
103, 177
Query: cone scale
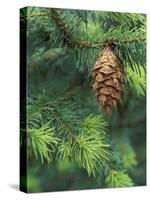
108, 78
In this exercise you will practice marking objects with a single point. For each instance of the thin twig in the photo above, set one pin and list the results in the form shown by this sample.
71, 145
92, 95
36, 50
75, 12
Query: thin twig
67, 127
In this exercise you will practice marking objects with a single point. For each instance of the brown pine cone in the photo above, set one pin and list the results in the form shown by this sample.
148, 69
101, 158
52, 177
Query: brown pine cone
108, 78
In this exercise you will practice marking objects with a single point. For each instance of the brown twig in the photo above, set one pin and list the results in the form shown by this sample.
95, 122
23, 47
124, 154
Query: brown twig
34, 15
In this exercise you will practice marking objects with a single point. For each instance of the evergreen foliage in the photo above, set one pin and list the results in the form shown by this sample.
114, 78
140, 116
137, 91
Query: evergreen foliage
137, 80
68, 135
41, 141
118, 179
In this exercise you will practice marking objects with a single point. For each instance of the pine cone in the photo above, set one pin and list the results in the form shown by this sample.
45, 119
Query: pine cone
108, 78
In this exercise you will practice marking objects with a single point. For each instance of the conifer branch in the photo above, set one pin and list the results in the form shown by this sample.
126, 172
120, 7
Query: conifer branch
118, 179
69, 38
33, 15
58, 118
73, 41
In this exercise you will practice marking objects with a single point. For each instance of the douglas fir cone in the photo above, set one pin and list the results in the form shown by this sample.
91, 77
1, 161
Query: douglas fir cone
108, 78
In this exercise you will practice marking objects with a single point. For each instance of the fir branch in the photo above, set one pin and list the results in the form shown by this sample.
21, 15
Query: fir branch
42, 141
33, 15
113, 34
90, 152
68, 36
119, 19
88, 149
64, 150
118, 179
123, 35
64, 125
75, 42
94, 123
136, 80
